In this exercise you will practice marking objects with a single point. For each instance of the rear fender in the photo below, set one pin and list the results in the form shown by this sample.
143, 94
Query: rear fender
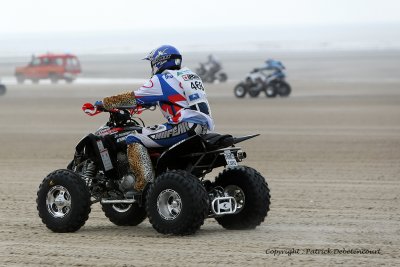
184, 155
172, 158
244, 138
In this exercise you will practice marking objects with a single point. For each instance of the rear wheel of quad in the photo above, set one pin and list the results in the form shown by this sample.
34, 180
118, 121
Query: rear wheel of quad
177, 203
63, 201
124, 214
251, 193
282, 88
240, 90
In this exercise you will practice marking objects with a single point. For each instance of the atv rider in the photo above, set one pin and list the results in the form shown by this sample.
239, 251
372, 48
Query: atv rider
271, 64
180, 94
213, 65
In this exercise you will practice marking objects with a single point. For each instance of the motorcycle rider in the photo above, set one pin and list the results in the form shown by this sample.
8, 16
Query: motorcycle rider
180, 94
213, 65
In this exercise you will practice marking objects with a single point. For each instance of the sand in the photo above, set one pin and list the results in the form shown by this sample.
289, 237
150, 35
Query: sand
330, 153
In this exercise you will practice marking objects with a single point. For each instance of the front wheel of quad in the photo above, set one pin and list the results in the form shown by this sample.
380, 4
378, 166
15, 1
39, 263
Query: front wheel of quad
240, 90
251, 193
63, 201
124, 214
177, 203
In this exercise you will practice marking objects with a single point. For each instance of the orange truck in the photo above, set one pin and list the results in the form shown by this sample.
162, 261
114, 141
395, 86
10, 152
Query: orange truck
50, 66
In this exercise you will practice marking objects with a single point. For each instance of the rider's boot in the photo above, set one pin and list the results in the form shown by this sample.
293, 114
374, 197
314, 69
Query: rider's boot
141, 165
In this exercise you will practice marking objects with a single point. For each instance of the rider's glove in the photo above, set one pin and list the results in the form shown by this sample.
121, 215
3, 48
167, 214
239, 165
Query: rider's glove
125, 99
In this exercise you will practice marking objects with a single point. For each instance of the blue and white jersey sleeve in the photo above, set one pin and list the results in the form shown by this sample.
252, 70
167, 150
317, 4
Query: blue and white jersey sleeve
150, 93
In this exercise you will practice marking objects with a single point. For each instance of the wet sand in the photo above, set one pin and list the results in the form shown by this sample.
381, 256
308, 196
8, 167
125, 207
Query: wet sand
330, 153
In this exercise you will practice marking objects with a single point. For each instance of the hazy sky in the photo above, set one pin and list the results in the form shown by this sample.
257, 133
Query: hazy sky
24, 16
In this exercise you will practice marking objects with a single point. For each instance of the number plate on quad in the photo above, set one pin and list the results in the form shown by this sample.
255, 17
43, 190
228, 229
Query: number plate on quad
230, 159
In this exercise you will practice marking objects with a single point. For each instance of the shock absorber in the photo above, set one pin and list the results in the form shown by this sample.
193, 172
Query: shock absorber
89, 172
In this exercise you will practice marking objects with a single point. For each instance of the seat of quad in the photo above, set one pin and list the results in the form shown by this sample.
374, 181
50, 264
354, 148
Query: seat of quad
215, 140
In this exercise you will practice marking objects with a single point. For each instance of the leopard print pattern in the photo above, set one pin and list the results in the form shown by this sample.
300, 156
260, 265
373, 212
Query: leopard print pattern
141, 166
124, 99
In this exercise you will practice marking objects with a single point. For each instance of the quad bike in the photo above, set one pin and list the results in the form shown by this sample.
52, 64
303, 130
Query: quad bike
258, 81
176, 202
209, 74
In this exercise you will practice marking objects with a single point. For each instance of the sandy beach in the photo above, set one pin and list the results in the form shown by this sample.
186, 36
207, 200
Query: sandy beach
330, 153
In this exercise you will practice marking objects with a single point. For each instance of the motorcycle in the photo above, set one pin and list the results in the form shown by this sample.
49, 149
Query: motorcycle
176, 202
272, 83
210, 74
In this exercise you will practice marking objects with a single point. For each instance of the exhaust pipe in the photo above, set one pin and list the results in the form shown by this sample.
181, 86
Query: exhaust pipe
117, 201
241, 155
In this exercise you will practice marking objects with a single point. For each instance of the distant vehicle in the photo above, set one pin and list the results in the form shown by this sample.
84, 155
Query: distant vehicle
50, 66
211, 71
272, 83
2, 89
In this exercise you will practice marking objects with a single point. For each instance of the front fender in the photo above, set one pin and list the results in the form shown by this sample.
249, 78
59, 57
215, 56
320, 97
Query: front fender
105, 159
84, 149
85, 141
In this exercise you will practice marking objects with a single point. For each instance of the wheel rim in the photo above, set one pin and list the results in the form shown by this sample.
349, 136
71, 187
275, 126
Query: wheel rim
169, 204
240, 90
58, 201
121, 207
237, 193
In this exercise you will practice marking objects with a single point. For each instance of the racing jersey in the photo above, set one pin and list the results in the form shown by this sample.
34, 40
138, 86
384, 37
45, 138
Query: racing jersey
180, 95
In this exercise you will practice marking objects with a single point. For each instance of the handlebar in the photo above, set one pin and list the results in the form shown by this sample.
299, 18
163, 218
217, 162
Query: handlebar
93, 110
120, 116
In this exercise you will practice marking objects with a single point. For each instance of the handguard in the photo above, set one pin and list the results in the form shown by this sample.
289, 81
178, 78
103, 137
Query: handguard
122, 100
91, 109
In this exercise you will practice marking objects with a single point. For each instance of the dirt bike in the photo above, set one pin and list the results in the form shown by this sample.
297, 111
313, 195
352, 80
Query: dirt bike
258, 81
176, 202
211, 74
